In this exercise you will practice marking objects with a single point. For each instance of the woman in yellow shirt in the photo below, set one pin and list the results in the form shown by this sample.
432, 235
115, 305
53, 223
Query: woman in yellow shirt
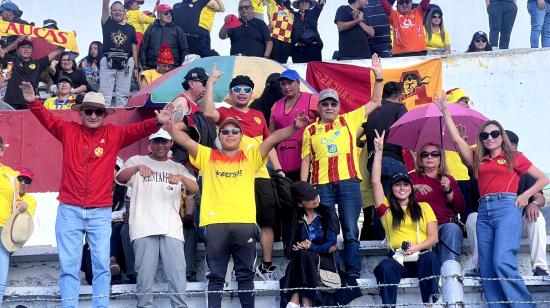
411, 230
438, 40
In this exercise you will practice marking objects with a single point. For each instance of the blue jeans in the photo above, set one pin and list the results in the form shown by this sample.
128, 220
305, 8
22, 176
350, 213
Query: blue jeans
390, 166
71, 224
4, 267
540, 23
450, 242
498, 238
347, 195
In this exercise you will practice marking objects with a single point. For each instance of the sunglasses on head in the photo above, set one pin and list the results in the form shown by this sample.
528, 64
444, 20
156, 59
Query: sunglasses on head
434, 154
241, 89
232, 131
25, 180
332, 104
481, 40
98, 112
485, 135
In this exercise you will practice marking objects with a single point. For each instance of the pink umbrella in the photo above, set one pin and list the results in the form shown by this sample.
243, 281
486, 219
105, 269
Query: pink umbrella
425, 124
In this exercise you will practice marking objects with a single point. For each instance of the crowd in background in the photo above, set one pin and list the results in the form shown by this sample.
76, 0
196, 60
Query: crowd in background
284, 167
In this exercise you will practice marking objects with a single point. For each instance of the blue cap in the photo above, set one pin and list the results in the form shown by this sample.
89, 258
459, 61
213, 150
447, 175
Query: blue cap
289, 74
12, 7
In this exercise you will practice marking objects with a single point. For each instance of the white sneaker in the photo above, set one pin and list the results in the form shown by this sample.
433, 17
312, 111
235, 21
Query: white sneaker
272, 273
292, 305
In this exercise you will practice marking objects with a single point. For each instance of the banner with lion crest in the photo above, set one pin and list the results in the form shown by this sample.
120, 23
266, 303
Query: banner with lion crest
354, 83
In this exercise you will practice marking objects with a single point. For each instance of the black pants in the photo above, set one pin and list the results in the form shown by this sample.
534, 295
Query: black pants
372, 229
222, 241
502, 15
281, 51
195, 43
205, 44
383, 50
411, 54
307, 53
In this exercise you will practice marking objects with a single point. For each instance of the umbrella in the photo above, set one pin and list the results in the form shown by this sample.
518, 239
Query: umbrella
168, 87
425, 124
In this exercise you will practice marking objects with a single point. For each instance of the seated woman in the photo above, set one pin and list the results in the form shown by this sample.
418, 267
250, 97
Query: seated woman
315, 228
440, 190
409, 225
479, 42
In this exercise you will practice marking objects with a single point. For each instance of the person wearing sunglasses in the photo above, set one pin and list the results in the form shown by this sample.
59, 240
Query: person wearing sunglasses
228, 205
254, 130
411, 229
89, 154
498, 167
10, 182
163, 31
438, 40
249, 36
329, 154
479, 42
314, 228
440, 190
408, 27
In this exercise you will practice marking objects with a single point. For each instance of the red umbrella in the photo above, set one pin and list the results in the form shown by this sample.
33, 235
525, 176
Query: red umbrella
425, 124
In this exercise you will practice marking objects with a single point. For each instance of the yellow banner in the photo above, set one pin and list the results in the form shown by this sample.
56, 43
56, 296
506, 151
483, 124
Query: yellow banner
65, 39
420, 82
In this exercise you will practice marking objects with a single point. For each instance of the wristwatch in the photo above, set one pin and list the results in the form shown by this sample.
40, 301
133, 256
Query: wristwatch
535, 202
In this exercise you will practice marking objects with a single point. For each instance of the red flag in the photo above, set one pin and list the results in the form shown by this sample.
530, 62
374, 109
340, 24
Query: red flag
352, 82
41, 48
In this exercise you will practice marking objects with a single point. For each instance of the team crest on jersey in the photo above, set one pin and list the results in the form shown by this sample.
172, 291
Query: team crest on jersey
502, 162
332, 148
32, 66
98, 151
258, 120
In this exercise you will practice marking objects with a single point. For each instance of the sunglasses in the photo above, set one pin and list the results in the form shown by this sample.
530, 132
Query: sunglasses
331, 104
433, 154
481, 40
436, 16
239, 89
245, 7
167, 13
484, 135
24, 180
98, 112
232, 131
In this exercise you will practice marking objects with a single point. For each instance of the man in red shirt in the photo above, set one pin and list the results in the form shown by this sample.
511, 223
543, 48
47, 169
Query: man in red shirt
255, 131
408, 27
85, 196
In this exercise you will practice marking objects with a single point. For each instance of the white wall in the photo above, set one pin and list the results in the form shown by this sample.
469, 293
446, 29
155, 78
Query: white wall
462, 18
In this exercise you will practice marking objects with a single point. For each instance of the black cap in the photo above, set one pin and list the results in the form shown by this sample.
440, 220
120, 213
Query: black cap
479, 34
401, 176
241, 79
50, 24
303, 191
514, 139
24, 42
196, 73
65, 78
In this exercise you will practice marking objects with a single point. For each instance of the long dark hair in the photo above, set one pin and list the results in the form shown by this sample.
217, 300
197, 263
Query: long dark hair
91, 59
397, 212
472, 47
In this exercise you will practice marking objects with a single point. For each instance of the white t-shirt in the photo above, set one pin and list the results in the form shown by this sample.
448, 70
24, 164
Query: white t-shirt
155, 203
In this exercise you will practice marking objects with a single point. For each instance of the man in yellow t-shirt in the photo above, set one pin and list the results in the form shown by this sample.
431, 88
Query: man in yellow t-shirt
329, 153
228, 206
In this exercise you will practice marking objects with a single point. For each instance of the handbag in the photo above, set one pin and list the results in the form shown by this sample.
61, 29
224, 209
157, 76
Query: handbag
401, 256
117, 60
309, 37
329, 279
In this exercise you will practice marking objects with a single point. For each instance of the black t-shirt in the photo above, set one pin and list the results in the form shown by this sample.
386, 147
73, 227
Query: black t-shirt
117, 37
381, 119
22, 71
525, 182
78, 77
187, 14
354, 42
250, 38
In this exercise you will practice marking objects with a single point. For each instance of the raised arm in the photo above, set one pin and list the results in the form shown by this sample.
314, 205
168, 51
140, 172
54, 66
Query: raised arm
466, 153
54, 54
104, 11
223, 30
386, 6
377, 188
208, 107
277, 136
376, 98
53, 125
182, 138
424, 5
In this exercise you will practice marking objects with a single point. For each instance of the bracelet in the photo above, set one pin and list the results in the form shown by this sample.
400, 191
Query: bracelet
379, 79
448, 191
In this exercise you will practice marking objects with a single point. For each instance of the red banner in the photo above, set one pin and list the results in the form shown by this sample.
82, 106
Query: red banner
352, 82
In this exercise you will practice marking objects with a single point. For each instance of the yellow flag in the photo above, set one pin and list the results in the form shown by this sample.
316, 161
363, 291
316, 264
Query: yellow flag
61, 38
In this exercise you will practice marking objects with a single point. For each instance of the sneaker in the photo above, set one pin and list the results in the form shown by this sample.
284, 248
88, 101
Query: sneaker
471, 272
271, 273
539, 271
115, 268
